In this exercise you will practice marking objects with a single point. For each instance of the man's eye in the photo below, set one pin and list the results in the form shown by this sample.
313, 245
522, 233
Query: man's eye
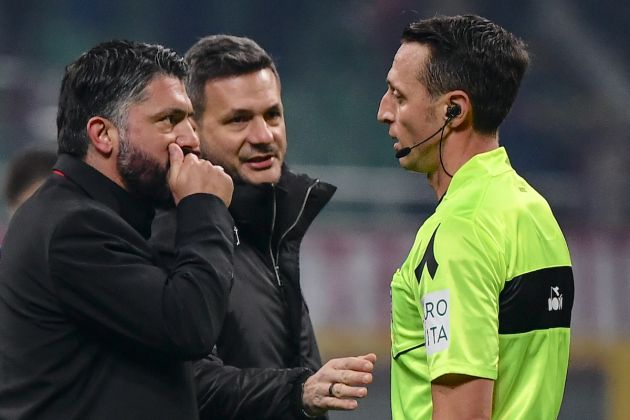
237, 120
168, 119
173, 119
274, 114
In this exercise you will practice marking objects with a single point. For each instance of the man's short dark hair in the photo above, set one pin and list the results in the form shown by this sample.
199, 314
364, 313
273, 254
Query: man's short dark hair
25, 169
103, 82
219, 56
472, 54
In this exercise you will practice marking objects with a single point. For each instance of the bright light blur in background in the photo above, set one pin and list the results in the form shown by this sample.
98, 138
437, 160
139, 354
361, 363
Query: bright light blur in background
567, 134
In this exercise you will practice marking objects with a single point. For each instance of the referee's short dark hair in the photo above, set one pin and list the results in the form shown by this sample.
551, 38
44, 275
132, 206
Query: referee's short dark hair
475, 55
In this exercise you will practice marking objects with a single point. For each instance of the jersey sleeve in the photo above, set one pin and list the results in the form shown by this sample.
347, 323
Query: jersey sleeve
458, 291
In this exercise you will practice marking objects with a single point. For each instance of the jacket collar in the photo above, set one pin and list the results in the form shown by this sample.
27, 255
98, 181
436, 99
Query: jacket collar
298, 199
133, 209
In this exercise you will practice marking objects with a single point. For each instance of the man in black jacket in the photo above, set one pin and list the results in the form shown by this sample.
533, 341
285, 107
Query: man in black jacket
266, 354
90, 326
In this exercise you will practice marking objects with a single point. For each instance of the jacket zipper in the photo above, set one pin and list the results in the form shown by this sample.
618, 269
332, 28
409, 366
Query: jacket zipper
238, 240
276, 258
297, 219
273, 226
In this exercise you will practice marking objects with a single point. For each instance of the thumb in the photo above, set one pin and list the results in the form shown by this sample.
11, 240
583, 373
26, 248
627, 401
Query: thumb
176, 157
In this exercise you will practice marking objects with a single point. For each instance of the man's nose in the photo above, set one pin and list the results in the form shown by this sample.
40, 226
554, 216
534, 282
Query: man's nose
384, 114
187, 135
259, 131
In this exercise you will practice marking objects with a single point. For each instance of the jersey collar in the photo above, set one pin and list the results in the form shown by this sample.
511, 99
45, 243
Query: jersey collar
488, 164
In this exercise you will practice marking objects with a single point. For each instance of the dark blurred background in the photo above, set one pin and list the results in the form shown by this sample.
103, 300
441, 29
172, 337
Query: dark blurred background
567, 134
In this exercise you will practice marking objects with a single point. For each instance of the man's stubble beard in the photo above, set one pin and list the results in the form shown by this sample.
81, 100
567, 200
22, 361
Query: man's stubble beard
143, 175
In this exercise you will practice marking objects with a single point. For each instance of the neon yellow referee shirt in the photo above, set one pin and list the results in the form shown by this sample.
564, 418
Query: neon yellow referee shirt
486, 291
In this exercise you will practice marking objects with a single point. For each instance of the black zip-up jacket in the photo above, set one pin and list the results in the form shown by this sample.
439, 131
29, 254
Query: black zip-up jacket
266, 348
91, 327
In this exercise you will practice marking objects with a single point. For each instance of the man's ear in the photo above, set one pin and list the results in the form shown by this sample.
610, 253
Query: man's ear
103, 135
461, 100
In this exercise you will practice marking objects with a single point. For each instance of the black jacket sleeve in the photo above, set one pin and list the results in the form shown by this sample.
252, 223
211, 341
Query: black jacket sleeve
107, 279
230, 393
309, 352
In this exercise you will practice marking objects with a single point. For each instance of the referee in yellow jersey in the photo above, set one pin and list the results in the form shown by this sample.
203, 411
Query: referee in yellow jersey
481, 307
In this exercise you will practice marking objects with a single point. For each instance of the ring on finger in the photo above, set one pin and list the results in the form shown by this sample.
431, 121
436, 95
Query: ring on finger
330, 389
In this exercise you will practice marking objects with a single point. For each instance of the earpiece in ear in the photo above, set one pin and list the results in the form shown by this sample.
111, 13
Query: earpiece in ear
453, 111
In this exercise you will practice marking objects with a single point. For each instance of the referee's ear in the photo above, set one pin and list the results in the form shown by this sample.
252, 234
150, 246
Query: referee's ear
458, 99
